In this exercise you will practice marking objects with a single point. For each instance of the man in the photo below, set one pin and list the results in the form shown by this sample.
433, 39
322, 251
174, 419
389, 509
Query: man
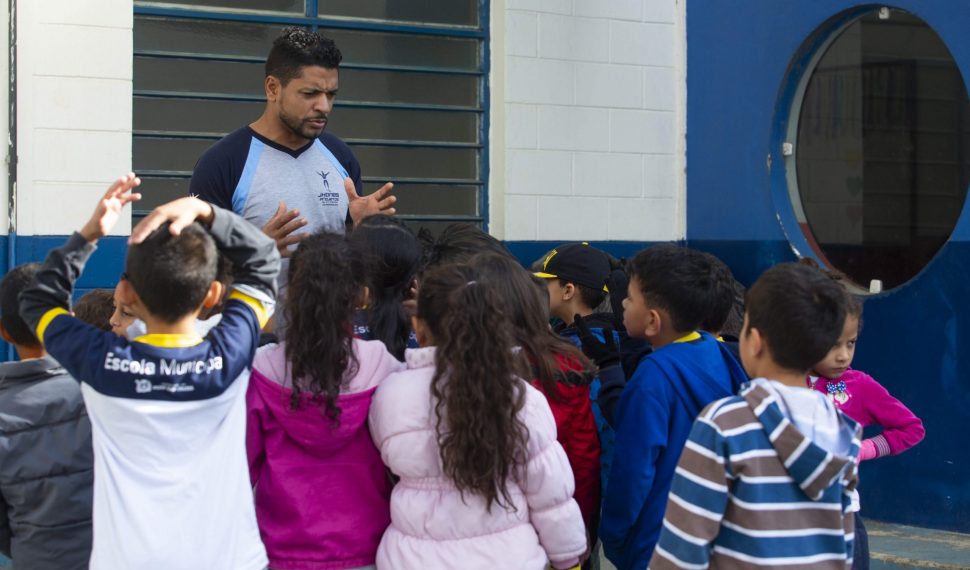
283, 166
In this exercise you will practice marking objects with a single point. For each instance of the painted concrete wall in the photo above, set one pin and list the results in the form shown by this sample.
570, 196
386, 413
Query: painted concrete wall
74, 77
588, 120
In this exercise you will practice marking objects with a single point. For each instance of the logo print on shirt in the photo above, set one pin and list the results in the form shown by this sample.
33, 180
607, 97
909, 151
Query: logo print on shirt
143, 386
327, 198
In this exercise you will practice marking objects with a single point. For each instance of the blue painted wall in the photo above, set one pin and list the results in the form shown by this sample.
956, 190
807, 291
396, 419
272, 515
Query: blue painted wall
742, 61
102, 271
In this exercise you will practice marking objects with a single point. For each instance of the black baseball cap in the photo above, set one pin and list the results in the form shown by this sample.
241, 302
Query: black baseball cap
578, 263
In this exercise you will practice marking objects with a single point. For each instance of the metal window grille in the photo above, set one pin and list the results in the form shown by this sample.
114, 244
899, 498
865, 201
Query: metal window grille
413, 101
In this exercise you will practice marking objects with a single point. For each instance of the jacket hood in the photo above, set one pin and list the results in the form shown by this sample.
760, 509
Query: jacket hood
813, 468
29, 370
308, 425
595, 321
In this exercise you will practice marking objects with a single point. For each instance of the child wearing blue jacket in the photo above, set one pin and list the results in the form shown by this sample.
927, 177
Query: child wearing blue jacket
672, 291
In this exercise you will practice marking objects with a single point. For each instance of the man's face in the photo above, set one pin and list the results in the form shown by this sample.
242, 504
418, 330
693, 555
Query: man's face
305, 102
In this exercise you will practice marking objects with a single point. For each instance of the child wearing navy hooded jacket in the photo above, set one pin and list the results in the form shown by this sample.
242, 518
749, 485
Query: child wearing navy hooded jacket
670, 294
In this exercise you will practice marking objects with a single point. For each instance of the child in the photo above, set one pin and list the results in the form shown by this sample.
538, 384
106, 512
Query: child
766, 476
575, 276
393, 255
96, 308
167, 409
672, 291
860, 397
559, 370
121, 318
484, 483
307, 427
45, 440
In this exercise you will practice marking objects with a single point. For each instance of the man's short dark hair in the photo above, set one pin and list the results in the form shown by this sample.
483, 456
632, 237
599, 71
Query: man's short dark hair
172, 274
799, 312
296, 48
96, 307
15, 281
686, 283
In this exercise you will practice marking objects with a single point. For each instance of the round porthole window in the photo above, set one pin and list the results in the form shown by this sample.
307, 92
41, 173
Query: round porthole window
880, 143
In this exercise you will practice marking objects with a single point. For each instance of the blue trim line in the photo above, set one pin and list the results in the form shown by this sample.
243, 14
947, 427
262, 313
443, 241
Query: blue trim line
241, 194
322, 149
331, 23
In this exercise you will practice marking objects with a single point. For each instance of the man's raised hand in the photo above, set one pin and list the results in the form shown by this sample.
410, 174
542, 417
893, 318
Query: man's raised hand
281, 227
380, 202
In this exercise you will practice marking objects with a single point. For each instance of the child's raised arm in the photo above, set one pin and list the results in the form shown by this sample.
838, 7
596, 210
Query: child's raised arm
50, 293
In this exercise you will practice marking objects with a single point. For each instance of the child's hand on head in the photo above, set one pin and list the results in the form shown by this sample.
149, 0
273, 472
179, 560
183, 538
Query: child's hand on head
180, 213
109, 208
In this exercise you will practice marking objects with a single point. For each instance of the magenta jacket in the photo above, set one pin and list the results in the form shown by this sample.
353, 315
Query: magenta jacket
322, 493
868, 403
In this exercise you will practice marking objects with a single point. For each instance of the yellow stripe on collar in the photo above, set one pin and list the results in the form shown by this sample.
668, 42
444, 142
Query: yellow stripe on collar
45, 321
170, 340
689, 337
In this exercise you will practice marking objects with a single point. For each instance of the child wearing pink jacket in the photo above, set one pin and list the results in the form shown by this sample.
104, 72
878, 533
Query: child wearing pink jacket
322, 493
859, 396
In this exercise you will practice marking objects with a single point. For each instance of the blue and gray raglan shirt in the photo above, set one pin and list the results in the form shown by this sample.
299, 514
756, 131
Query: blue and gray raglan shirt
249, 174
168, 414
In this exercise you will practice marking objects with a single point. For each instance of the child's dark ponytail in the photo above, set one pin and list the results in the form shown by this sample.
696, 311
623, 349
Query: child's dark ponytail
326, 279
393, 254
477, 383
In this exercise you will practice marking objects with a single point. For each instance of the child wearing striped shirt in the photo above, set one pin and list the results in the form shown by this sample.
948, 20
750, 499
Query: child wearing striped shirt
766, 477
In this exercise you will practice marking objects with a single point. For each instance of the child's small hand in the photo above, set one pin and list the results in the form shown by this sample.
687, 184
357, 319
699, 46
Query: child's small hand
108, 211
180, 213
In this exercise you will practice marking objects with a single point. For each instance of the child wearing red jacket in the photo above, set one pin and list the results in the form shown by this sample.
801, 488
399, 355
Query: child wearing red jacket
560, 371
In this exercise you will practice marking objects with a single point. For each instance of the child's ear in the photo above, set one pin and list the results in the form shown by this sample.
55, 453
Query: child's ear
568, 291
421, 331
5, 335
654, 323
214, 295
364, 297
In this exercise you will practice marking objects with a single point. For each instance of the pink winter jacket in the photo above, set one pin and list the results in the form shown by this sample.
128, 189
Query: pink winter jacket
432, 526
321, 492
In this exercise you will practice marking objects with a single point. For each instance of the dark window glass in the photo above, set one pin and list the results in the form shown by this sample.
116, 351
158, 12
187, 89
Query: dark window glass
416, 162
458, 12
883, 152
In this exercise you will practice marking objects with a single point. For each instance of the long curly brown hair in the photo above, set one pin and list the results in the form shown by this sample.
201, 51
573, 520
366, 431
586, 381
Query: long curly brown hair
527, 305
326, 280
477, 384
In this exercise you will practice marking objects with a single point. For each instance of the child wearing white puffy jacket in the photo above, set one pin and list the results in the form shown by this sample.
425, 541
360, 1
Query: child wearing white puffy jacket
483, 482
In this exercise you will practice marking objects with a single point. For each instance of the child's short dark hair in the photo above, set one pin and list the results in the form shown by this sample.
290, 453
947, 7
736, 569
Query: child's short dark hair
15, 281
172, 274
296, 48
96, 307
457, 243
799, 312
690, 285
589, 296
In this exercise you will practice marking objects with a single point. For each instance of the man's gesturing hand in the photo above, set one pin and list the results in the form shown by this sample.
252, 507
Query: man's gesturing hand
281, 227
379, 202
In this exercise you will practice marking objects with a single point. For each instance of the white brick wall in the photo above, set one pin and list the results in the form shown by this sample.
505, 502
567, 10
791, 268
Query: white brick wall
74, 75
588, 99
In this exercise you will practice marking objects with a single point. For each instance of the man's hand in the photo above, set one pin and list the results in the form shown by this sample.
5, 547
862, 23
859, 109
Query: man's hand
180, 213
281, 227
108, 211
379, 202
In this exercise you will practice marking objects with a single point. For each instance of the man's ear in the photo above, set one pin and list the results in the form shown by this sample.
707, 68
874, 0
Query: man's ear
214, 295
273, 88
